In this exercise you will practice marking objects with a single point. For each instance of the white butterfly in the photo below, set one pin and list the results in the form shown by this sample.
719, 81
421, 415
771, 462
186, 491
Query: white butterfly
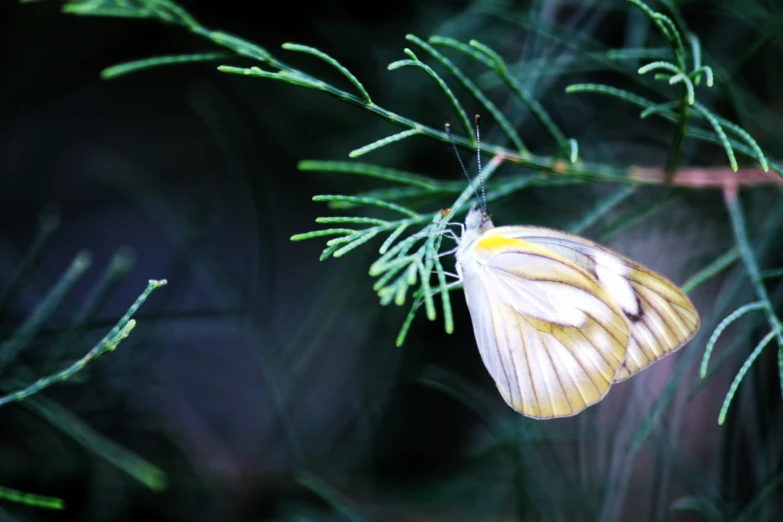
558, 319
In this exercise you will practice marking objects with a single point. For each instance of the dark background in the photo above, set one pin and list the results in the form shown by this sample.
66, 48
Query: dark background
266, 385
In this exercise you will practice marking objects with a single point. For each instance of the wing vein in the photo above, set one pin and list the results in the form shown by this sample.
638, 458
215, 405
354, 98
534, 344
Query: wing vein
596, 321
497, 347
557, 375
637, 267
529, 370
598, 370
571, 375
661, 317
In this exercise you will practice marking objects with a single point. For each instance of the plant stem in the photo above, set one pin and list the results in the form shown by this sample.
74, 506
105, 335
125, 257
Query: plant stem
751, 265
679, 138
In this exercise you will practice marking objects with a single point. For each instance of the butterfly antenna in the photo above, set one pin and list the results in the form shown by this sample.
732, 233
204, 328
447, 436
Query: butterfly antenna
478, 160
461, 164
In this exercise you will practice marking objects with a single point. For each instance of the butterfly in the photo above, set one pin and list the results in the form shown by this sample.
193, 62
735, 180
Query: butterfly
558, 319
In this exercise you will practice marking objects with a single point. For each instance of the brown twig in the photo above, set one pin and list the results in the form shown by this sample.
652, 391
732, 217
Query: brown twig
707, 177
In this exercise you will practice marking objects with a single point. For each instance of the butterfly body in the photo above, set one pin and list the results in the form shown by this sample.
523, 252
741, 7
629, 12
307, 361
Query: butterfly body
558, 319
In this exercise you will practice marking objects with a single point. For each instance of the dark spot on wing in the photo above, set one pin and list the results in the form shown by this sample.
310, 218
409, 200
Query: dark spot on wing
635, 317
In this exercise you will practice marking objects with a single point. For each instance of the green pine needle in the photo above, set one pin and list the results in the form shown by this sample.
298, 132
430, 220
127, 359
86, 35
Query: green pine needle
739, 312
471, 87
461, 114
334, 63
383, 142
159, 61
368, 201
718, 265
741, 374
29, 499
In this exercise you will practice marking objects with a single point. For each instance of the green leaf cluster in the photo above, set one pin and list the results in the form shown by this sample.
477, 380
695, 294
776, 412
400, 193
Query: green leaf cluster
408, 261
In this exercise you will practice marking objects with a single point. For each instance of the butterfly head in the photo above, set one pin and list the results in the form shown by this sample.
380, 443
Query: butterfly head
478, 220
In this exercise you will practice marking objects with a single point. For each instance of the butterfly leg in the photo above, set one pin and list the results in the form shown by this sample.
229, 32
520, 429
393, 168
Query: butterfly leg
456, 224
435, 292
451, 235
447, 233
443, 254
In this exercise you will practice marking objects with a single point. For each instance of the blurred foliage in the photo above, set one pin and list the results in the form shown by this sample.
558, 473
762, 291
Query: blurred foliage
15, 342
504, 467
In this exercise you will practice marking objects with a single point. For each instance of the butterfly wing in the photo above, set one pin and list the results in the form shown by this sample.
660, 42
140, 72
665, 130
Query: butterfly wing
550, 336
660, 316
